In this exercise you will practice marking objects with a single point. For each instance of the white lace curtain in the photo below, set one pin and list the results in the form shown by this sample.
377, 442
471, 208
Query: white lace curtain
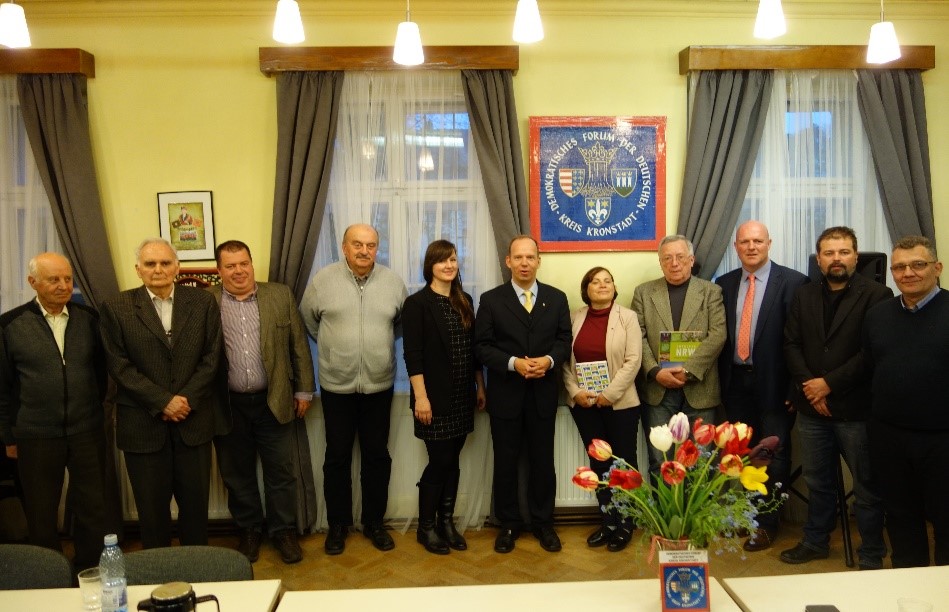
404, 163
26, 225
813, 170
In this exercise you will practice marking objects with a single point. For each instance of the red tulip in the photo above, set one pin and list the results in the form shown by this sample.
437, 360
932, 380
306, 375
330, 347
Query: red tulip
600, 450
626, 479
703, 433
687, 454
672, 472
738, 444
586, 479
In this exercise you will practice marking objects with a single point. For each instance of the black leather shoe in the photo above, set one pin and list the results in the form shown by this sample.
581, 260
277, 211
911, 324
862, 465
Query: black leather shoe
802, 554
249, 544
761, 540
504, 543
620, 540
600, 537
336, 539
286, 543
547, 537
379, 537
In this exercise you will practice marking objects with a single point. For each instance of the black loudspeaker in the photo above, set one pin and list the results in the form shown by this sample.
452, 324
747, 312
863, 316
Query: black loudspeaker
869, 263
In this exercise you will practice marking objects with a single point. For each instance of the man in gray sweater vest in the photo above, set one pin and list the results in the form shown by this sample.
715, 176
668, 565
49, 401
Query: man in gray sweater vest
353, 310
52, 383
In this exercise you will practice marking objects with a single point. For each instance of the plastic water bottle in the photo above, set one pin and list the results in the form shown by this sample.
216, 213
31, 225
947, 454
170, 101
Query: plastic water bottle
112, 574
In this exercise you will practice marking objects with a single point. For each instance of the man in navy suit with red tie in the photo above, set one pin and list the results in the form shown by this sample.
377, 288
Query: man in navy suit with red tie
522, 332
754, 376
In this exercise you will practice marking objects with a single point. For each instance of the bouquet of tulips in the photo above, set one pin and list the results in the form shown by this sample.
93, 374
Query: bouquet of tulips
693, 496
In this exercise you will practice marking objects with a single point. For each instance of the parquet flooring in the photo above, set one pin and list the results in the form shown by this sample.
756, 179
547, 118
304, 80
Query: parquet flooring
409, 565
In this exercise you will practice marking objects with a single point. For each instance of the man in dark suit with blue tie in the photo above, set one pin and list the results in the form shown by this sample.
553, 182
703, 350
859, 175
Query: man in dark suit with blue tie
754, 376
163, 345
522, 331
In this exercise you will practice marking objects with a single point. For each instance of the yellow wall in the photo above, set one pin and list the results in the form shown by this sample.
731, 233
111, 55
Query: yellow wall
178, 102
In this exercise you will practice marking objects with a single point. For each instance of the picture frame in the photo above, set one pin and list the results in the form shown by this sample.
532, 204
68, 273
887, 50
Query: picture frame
186, 220
597, 183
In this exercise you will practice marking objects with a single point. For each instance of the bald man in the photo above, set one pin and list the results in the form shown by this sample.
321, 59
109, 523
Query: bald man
753, 373
52, 384
353, 309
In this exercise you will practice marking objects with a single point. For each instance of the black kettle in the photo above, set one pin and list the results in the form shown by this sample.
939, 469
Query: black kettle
175, 597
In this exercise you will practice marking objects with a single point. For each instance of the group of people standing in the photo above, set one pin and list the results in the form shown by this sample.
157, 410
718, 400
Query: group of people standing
233, 366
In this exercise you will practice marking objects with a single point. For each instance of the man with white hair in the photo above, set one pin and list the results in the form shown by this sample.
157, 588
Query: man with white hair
164, 343
52, 383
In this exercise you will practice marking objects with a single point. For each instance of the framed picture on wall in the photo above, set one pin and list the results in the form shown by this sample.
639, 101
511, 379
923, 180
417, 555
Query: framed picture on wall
186, 220
598, 183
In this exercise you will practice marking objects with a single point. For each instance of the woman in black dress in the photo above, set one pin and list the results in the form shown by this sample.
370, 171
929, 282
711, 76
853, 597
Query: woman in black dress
447, 386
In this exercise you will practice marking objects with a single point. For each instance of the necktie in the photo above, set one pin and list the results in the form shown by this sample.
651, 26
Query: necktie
744, 328
528, 303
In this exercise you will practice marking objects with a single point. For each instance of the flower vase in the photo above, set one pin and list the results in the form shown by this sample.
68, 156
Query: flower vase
683, 574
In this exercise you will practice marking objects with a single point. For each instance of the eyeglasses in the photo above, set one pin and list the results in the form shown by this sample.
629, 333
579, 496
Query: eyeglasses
679, 258
917, 266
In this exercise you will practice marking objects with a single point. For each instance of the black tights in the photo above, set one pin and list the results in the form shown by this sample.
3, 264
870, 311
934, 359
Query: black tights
443, 458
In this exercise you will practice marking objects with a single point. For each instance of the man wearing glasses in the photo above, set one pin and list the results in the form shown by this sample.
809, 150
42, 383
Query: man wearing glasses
831, 394
906, 346
679, 302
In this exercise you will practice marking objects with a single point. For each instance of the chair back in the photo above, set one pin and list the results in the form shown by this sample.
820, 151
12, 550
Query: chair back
24, 566
186, 564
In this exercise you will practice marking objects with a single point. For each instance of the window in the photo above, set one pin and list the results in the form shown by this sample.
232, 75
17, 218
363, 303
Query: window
404, 163
813, 169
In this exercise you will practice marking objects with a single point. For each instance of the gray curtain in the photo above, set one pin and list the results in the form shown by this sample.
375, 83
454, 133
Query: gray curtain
307, 110
489, 95
728, 116
893, 108
56, 115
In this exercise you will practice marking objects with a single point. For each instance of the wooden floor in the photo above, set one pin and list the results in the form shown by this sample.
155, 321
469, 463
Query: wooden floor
409, 565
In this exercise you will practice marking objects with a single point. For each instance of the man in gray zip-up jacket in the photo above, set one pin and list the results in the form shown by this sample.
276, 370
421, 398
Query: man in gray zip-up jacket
353, 310
52, 383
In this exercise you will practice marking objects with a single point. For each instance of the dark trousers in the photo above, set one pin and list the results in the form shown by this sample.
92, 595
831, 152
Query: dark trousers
620, 428
176, 470
443, 456
41, 465
910, 467
535, 434
256, 431
743, 403
346, 415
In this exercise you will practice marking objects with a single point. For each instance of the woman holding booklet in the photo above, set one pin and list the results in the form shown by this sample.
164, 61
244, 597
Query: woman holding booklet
600, 380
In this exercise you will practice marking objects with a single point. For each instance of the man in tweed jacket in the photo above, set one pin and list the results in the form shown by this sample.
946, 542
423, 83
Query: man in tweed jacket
163, 345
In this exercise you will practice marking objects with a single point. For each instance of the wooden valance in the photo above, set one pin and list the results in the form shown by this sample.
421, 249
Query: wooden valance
47, 61
802, 57
283, 59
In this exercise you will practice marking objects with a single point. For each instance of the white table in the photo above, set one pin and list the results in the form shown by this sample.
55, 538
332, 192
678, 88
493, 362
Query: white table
602, 596
849, 591
241, 596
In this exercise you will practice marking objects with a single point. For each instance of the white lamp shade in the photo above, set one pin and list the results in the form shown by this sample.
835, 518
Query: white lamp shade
408, 45
883, 47
287, 24
13, 30
770, 21
527, 25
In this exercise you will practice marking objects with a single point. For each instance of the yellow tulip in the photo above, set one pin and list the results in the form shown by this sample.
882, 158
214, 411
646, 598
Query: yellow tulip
753, 478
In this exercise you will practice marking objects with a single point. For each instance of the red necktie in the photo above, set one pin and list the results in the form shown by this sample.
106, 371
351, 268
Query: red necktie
744, 328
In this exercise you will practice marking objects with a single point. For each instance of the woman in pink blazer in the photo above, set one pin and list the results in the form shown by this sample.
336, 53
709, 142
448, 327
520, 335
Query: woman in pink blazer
605, 331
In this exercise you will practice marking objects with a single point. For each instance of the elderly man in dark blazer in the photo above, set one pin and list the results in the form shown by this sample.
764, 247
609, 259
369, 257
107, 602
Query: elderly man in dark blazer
754, 375
521, 332
270, 383
164, 345
677, 301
